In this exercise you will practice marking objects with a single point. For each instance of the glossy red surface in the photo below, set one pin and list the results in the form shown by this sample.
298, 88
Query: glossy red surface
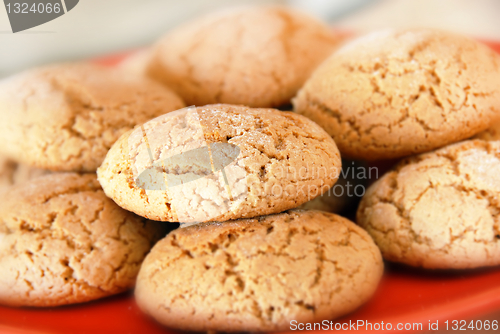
405, 295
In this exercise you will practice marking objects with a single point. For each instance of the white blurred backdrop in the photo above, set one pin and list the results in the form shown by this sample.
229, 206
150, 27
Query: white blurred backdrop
98, 27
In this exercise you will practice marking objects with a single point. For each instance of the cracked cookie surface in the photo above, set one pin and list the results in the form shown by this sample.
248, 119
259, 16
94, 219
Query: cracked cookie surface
284, 160
66, 117
62, 241
259, 274
394, 93
256, 56
440, 209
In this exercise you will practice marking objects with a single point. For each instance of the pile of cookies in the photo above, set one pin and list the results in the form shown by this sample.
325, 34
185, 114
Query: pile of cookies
98, 161
61, 239
395, 93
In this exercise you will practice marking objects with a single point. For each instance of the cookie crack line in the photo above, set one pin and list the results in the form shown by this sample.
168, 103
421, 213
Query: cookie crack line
353, 126
376, 73
431, 71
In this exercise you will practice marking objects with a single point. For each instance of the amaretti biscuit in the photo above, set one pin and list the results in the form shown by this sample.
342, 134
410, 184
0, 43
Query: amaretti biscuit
66, 117
395, 93
440, 209
219, 162
259, 274
255, 56
62, 241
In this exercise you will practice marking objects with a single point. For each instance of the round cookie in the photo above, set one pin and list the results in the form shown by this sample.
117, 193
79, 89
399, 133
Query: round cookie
255, 56
261, 161
491, 133
440, 209
259, 274
394, 93
62, 241
66, 117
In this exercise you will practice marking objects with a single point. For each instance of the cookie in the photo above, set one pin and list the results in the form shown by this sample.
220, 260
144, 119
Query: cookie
219, 162
62, 241
395, 93
66, 117
491, 133
255, 56
440, 209
13, 173
259, 274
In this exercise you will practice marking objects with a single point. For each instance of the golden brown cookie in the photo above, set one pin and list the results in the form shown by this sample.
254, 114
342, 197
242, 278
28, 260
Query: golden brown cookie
62, 241
394, 93
255, 56
219, 162
259, 274
66, 117
491, 133
440, 209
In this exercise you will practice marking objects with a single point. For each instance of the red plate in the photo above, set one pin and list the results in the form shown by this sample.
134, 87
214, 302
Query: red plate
405, 296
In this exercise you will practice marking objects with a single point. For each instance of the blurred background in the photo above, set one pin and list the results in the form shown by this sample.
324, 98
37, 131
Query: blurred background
97, 27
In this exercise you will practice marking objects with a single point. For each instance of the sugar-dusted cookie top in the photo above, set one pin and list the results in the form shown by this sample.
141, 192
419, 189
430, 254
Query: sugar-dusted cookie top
219, 162
439, 209
66, 117
259, 274
394, 93
256, 56
62, 241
